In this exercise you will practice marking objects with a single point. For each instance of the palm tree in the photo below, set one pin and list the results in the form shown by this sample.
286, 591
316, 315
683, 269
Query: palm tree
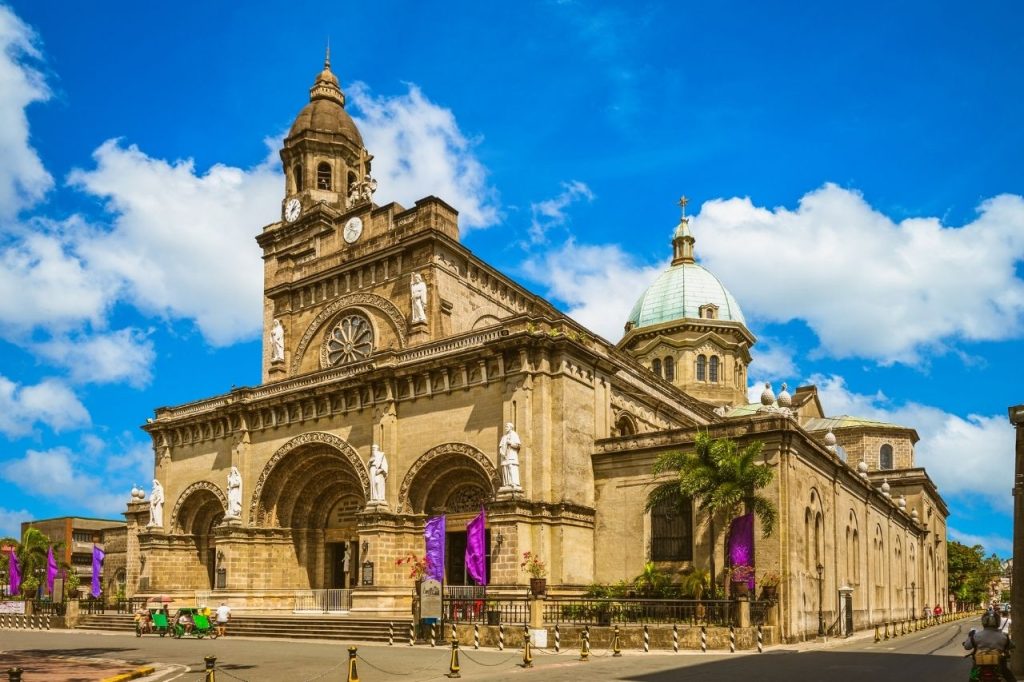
718, 476
31, 553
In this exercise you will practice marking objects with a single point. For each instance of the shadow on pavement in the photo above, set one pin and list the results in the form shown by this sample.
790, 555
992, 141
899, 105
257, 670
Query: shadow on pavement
823, 666
78, 652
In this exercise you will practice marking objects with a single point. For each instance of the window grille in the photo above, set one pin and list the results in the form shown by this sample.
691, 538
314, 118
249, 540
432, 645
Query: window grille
672, 531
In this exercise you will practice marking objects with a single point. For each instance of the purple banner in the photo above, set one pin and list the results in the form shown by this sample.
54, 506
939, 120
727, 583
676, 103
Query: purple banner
14, 574
51, 570
97, 568
433, 534
476, 548
741, 543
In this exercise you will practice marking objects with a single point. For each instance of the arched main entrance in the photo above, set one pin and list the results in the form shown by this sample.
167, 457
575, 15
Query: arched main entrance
200, 508
313, 486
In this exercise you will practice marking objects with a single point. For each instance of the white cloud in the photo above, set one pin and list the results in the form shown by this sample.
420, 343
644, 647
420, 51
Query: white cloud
49, 402
771, 360
419, 150
966, 456
23, 179
10, 522
992, 543
551, 212
850, 271
125, 355
599, 283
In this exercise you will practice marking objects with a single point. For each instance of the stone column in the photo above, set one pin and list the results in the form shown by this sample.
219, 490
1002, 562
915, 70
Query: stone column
1017, 593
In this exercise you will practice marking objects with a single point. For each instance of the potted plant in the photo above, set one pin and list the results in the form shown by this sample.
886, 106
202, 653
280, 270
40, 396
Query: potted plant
741, 577
534, 565
770, 585
417, 566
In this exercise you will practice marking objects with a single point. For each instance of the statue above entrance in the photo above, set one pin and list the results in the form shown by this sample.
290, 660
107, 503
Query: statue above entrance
418, 292
277, 342
234, 494
378, 465
156, 506
508, 457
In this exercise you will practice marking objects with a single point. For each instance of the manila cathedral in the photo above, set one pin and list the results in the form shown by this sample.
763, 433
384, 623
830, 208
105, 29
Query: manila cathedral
405, 378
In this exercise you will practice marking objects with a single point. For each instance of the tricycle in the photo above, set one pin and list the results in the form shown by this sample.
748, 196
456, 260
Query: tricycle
152, 621
193, 621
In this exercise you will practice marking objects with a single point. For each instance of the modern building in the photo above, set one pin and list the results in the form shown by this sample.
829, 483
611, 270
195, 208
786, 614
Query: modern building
382, 329
78, 535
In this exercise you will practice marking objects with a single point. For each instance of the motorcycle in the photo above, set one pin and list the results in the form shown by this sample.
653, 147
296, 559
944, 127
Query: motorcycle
987, 666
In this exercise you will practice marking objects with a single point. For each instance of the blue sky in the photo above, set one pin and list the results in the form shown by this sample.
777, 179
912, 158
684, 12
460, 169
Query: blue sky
854, 173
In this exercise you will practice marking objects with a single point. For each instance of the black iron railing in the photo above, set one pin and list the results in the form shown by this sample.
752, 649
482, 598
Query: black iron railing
759, 611
44, 607
487, 610
586, 611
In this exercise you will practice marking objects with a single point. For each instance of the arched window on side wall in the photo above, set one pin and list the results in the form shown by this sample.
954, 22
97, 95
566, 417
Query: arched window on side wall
323, 176
297, 174
702, 368
672, 531
656, 366
624, 426
670, 368
885, 457
713, 370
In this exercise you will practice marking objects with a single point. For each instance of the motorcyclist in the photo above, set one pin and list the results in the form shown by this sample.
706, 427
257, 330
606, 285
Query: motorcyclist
991, 638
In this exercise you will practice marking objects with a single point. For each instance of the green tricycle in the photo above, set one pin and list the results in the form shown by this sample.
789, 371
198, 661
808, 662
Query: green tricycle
151, 622
192, 621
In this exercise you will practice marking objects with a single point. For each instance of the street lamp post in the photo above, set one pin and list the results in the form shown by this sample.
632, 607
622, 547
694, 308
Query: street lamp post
913, 601
821, 599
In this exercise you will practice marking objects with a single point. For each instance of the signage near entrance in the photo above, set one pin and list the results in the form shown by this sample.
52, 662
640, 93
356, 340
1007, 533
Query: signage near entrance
367, 572
430, 599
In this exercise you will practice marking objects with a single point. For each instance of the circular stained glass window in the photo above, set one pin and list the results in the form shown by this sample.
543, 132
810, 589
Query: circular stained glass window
350, 341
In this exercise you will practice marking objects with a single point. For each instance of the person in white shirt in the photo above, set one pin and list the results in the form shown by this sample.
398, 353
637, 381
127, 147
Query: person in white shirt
223, 616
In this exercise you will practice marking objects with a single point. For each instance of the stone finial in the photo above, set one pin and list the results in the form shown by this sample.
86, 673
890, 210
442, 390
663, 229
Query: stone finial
830, 438
913, 514
885, 488
767, 396
902, 502
784, 400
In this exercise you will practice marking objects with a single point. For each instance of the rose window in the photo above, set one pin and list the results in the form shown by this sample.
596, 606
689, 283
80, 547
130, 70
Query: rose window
350, 341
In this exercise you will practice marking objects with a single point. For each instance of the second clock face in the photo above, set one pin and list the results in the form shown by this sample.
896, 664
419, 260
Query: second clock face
353, 228
292, 210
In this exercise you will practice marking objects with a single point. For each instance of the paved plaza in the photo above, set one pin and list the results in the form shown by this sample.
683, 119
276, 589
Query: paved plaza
934, 655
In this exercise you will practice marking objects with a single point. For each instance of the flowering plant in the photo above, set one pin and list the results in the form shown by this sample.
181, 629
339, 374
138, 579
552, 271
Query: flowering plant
770, 579
533, 565
418, 566
742, 574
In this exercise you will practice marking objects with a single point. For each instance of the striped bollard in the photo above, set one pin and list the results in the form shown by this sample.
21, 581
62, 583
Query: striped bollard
47, 622
391, 633
476, 635
455, 632
433, 634
501, 636
647, 640
760, 640
675, 638
558, 639
732, 640
703, 639
412, 634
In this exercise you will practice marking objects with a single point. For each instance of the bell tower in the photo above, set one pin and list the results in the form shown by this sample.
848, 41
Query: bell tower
323, 156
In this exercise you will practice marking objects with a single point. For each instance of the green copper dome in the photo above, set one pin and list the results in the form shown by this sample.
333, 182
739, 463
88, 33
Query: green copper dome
679, 293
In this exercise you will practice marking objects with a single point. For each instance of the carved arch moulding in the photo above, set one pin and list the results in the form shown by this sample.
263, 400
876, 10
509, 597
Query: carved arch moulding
364, 300
443, 450
342, 446
187, 492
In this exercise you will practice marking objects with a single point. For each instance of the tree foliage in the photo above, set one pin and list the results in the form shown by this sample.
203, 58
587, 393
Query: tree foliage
972, 575
31, 552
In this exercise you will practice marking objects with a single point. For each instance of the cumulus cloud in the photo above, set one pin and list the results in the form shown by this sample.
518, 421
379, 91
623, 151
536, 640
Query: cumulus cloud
992, 543
551, 212
49, 402
23, 179
125, 355
966, 456
419, 150
598, 283
849, 270
10, 522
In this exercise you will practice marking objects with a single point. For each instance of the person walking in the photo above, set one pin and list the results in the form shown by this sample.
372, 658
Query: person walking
223, 616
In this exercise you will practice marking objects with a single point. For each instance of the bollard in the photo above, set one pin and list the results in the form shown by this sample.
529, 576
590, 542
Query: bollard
585, 645
616, 650
453, 666
675, 638
732, 640
878, 634
14, 675
760, 640
412, 634
433, 634
527, 652
886, 630
211, 665
703, 639
647, 640
476, 635
558, 639
501, 636
353, 674
455, 631
391, 633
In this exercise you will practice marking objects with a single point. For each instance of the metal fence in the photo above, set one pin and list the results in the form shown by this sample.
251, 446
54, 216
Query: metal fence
587, 611
486, 610
92, 606
323, 601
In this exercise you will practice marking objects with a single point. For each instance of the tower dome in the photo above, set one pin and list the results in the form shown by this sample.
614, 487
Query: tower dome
325, 112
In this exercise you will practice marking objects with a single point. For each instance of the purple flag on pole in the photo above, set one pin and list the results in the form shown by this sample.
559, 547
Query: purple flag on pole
433, 534
51, 570
476, 548
741, 543
97, 567
13, 573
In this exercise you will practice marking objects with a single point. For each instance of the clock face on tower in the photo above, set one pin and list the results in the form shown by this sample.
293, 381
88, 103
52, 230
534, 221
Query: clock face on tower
353, 228
292, 209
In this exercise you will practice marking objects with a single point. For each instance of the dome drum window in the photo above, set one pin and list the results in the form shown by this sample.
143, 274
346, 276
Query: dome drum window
656, 366
323, 176
713, 369
709, 311
702, 368
351, 340
670, 368
885, 457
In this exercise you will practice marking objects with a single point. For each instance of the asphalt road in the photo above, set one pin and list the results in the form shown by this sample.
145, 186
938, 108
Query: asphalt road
933, 655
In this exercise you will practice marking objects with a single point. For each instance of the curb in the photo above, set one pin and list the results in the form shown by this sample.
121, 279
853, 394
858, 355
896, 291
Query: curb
135, 674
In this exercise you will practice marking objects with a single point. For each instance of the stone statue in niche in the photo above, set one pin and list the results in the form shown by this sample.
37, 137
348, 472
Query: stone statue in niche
156, 506
378, 475
234, 494
418, 293
277, 342
508, 457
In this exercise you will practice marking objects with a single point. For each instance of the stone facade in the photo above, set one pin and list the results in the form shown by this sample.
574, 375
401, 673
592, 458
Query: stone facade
360, 353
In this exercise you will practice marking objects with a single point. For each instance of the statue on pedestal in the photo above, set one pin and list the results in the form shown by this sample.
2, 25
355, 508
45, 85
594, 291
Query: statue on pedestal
156, 506
234, 494
418, 293
378, 475
508, 457
277, 342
